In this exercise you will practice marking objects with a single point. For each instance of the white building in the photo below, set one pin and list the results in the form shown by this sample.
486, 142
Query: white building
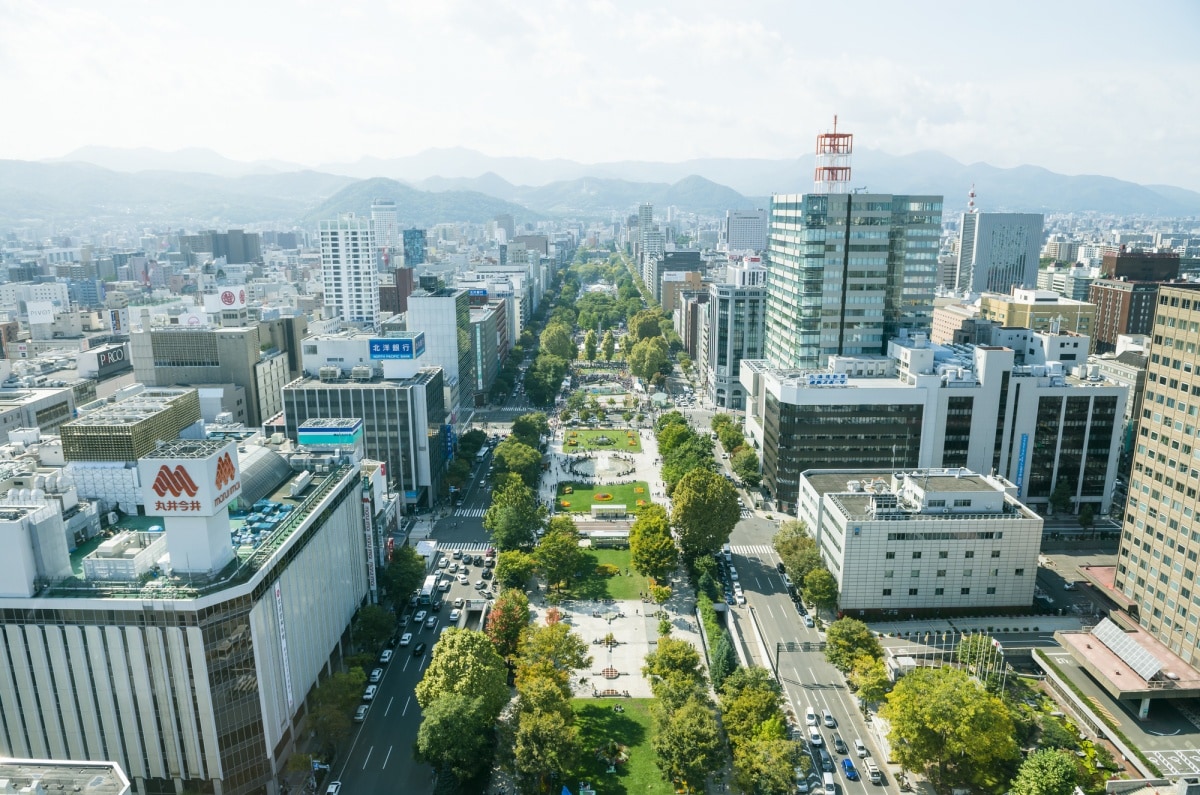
348, 273
385, 225
745, 230
999, 251
923, 540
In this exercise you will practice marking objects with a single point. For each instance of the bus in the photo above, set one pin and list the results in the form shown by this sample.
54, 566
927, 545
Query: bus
428, 589
481, 456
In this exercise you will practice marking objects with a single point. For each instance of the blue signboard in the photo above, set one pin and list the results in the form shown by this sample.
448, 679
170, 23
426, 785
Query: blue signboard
1024, 449
448, 434
475, 292
397, 347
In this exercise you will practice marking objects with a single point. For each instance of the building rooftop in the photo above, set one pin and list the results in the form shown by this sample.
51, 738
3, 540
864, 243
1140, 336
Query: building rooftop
879, 494
94, 778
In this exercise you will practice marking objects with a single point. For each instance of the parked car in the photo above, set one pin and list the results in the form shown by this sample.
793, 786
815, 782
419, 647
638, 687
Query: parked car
455, 615
459, 602
369, 693
360, 714
456, 554
334, 788
376, 675
443, 563
385, 656
406, 639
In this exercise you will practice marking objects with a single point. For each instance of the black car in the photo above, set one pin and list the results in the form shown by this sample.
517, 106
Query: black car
418, 650
839, 744
436, 605
779, 567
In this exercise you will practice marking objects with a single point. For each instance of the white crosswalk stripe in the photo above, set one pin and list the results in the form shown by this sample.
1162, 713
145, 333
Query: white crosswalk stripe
476, 513
753, 549
747, 513
468, 547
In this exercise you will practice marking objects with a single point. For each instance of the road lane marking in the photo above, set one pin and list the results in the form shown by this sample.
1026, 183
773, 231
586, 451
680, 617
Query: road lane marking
389, 706
386, 758
368, 758
404, 712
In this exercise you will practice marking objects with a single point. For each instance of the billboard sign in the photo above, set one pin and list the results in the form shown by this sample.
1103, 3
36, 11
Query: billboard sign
40, 312
110, 361
118, 320
200, 484
397, 347
225, 298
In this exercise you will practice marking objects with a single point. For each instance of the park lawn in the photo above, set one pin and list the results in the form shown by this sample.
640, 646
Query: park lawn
620, 437
633, 728
594, 586
582, 496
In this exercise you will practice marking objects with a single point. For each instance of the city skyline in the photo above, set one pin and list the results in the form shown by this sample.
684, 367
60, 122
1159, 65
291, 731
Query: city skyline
604, 81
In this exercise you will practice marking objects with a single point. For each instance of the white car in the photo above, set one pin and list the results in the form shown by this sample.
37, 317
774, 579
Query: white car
733, 575
443, 563
369, 693
406, 639
810, 717
455, 615
464, 579
814, 737
420, 616
739, 597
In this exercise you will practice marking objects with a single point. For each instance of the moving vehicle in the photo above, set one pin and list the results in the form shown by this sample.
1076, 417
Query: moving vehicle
810, 717
814, 737
431, 622
860, 749
406, 639
421, 616
848, 769
455, 614
830, 784
874, 775
334, 788
418, 650
839, 744
827, 718
426, 595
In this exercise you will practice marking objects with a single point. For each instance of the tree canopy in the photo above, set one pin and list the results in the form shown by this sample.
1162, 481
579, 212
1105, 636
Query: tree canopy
514, 516
512, 455
454, 736
688, 744
608, 346
820, 588
650, 357
745, 466
403, 574
1047, 772
557, 340
507, 620
514, 568
466, 662
651, 547
704, 512
558, 554
797, 549
847, 639
590, 345
528, 429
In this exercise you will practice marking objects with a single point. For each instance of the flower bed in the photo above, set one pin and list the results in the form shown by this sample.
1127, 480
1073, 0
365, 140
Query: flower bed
602, 497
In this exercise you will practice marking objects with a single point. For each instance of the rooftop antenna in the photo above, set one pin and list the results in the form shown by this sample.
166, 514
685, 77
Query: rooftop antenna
832, 172
971, 208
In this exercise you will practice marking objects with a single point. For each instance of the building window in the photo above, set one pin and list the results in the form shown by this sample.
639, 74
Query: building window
995, 553
965, 591
887, 591
915, 573
916, 556
943, 555
939, 591
1019, 572
962, 503
970, 554
889, 555
887, 575
968, 572
912, 591
941, 572
995, 572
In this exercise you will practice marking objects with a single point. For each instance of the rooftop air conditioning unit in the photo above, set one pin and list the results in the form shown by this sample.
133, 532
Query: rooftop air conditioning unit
361, 373
329, 373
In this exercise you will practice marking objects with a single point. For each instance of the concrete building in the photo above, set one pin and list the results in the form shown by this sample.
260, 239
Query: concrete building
1038, 423
745, 230
734, 331
998, 251
847, 272
1122, 308
244, 357
926, 541
444, 315
689, 319
415, 247
386, 229
1140, 266
40, 776
188, 663
488, 328
348, 271
403, 424
675, 282
1037, 310
1069, 281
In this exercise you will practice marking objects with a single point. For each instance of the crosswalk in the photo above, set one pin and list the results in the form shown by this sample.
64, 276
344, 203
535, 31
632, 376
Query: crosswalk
752, 549
473, 513
747, 513
471, 547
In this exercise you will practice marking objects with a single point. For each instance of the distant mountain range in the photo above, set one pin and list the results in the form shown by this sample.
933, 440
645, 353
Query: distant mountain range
199, 186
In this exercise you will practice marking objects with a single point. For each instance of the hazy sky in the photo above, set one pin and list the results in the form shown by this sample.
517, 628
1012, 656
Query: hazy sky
1108, 87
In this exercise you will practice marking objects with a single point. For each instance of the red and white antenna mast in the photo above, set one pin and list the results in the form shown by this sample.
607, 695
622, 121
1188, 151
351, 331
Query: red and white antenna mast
832, 174
971, 208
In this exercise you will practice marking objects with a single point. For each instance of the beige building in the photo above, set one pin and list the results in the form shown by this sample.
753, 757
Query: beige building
675, 282
1037, 309
949, 319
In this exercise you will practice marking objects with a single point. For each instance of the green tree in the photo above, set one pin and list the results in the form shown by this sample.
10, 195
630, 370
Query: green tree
685, 363
530, 428
454, 736
514, 568
543, 378
331, 705
403, 575
557, 340
847, 639
721, 420
820, 588
545, 749
664, 627
766, 765
514, 516
945, 723
373, 626
1047, 772
558, 554
458, 473
797, 549
645, 324
750, 703
724, 659
649, 357
589, 345
688, 744
1060, 498
651, 549
745, 466
552, 651
674, 658
1087, 516
704, 512
467, 663
514, 456
508, 619
471, 442
870, 679
608, 346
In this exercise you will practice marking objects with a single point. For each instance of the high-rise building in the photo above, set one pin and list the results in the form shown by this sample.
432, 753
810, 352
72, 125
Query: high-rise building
1156, 562
745, 230
1140, 266
1122, 307
387, 231
846, 272
1038, 310
998, 251
348, 271
414, 247
734, 331
445, 317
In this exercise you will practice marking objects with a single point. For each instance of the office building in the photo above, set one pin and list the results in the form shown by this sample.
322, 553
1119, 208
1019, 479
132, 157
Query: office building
444, 315
243, 357
505, 222
847, 272
403, 422
1069, 281
348, 272
184, 655
1037, 421
745, 230
734, 331
236, 246
922, 541
998, 251
414, 247
386, 229
1122, 308
1140, 266
1156, 563
1037, 310
488, 329
675, 282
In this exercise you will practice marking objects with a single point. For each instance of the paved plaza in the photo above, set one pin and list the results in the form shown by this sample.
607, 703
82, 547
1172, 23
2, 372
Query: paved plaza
602, 467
